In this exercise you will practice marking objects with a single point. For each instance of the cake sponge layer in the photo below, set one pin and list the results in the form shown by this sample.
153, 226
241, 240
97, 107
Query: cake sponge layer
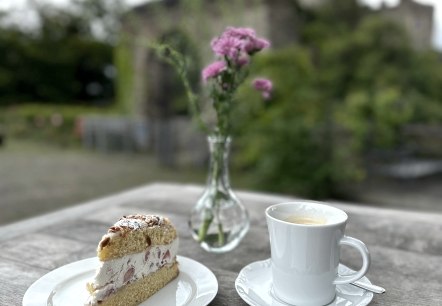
135, 293
133, 234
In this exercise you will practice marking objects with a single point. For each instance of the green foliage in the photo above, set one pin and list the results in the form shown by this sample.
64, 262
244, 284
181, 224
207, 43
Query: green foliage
103, 15
60, 61
341, 93
374, 120
282, 141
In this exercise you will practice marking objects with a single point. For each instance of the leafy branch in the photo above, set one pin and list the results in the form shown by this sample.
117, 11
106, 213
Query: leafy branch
179, 63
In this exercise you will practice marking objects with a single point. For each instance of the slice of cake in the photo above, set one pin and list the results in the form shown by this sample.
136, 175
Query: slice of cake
137, 258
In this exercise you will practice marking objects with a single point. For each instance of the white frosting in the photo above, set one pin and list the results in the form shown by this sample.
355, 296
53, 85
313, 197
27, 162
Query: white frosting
139, 221
113, 274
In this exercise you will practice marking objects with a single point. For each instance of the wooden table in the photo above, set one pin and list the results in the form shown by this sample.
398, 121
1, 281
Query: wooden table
406, 247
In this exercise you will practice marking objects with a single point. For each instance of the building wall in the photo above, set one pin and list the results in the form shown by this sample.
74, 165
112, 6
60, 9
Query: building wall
283, 23
416, 18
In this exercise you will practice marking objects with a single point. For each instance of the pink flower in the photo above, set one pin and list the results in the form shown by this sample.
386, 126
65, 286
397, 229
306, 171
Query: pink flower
263, 85
213, 70
227, 46
251, 43
241, 33
256, 45
234, 42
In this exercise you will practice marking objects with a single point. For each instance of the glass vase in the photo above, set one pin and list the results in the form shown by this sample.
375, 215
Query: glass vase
218, 221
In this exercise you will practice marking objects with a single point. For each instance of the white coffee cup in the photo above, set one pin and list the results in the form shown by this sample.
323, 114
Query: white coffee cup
305, 257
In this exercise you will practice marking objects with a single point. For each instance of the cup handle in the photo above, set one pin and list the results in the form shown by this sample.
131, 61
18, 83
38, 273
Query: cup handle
360, 246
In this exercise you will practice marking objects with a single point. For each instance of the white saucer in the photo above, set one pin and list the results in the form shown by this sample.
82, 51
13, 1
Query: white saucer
254, 286
196, 285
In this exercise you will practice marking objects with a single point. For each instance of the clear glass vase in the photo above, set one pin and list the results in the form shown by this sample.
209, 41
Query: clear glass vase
219, 221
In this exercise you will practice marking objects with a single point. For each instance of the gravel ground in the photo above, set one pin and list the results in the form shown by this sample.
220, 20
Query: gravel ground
423, 194
35, 178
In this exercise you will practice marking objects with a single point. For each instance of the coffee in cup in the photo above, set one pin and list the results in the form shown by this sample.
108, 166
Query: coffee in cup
304, 220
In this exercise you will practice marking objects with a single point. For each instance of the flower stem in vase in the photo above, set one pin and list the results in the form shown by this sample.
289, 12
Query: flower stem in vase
219, 220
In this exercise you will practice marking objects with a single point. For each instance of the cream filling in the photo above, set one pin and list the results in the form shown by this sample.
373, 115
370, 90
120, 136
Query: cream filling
115, 273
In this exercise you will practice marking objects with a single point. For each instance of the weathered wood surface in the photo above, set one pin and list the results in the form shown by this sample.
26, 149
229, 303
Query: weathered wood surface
406, 247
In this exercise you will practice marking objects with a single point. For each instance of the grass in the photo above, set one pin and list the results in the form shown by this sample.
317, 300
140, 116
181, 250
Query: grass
36, 178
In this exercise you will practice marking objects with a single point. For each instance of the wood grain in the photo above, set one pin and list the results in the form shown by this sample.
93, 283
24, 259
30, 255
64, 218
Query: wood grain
406, 246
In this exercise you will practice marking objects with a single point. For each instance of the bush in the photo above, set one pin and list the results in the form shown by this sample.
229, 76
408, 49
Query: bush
57, 124
60, 61
336, 100
282, 142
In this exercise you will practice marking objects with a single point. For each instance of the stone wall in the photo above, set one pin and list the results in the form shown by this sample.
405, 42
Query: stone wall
416, 18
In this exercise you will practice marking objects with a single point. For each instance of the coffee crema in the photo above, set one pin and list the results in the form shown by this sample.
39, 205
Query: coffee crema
304, 220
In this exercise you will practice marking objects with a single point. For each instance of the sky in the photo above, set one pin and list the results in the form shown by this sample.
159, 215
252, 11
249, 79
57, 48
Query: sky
21, 8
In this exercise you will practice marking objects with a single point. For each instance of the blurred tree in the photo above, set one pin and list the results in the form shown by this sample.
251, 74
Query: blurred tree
102, 16
62, 61
343, 92
282, 141
13, 43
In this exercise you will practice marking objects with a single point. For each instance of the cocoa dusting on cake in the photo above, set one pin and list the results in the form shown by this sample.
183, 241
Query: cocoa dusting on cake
134, 222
